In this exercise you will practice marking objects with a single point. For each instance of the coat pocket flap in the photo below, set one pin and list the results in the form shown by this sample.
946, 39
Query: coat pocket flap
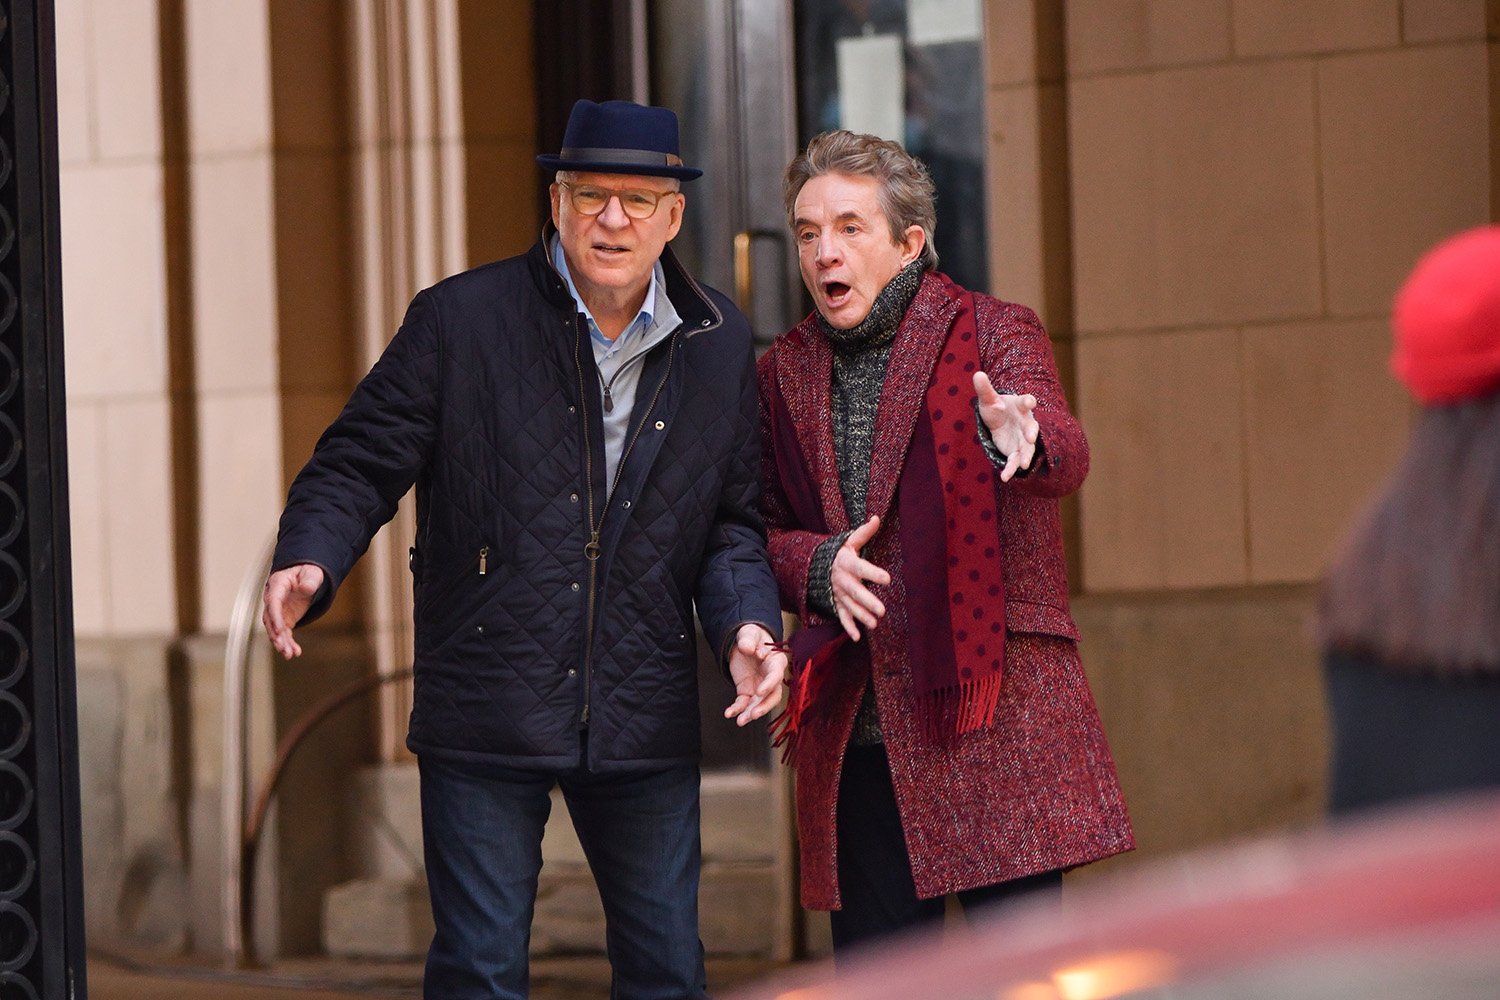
1033, 616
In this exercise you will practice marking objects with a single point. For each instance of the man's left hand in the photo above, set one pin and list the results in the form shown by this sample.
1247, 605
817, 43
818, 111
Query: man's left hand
758, 666
1012, 426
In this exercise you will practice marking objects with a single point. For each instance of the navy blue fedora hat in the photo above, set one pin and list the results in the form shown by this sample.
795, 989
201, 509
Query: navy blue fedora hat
621, 137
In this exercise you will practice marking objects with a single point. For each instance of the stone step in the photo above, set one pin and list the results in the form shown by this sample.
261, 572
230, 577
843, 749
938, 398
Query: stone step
738, 822
387, 919
385, 913
736, 909
391, 919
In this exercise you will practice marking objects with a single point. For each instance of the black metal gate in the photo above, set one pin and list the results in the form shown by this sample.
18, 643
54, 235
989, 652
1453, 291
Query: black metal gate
41, 899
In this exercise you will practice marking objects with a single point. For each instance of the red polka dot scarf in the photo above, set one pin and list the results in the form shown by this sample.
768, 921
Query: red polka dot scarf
950, 546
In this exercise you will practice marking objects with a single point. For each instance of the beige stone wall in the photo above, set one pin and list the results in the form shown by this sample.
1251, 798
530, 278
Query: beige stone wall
1250, 182
213, 254
232, 281
500, 146
1213, 202
251, 192
313, 219
1494, 37
115, 311
313, 234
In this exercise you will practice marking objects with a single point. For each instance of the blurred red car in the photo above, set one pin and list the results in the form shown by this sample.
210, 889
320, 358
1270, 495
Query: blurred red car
1404, 904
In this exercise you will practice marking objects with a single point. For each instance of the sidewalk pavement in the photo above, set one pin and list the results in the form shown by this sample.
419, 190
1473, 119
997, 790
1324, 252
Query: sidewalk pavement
579, 977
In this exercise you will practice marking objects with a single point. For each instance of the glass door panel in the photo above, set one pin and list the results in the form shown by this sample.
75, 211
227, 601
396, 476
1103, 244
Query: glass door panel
912, 71
725, 67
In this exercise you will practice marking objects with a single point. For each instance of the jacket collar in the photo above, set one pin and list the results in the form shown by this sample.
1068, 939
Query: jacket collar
692, 303
804, 363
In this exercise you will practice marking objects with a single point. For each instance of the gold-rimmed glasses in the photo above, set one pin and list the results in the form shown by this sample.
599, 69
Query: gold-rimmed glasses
591, 199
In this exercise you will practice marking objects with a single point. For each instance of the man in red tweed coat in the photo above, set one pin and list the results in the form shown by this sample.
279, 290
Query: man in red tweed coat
915, 444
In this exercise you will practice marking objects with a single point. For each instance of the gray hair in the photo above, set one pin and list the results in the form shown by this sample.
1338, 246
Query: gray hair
906, 193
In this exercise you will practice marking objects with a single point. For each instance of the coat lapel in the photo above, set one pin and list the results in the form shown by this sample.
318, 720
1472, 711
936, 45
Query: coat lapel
914, 355
804, 373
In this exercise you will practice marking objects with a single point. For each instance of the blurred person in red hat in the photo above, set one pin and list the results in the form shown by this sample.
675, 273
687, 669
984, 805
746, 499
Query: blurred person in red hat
1410, 615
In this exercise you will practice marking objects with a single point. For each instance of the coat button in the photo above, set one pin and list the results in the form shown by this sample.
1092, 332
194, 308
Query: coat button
627, 504
573, 497
575, 584
479, 629
661, 424
572, 672
572, 409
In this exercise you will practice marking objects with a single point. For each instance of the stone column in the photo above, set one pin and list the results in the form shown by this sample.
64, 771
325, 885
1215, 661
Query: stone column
234, 293
409, 226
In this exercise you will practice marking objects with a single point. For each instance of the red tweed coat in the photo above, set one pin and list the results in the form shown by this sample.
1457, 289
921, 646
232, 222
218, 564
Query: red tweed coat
1037, 791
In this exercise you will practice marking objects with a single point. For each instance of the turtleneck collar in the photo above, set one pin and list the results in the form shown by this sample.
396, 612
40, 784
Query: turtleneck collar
879, 327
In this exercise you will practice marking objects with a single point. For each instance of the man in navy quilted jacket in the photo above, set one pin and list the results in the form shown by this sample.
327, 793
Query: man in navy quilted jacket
581, 426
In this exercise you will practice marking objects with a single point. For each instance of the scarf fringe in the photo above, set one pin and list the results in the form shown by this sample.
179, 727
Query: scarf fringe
964, 708
786, 727
806, 682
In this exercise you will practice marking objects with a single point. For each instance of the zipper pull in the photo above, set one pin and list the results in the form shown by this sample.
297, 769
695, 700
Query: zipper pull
484, 560
584, 719
592, 548
609, 403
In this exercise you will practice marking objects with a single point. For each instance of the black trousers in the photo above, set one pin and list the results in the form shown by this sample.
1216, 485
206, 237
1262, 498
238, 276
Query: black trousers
875, 882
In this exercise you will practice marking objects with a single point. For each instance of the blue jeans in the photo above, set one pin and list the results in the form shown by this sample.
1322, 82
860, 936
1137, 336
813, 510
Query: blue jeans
482, 833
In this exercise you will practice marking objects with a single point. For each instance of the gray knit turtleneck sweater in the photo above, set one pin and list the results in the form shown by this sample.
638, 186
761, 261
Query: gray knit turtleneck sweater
860, 356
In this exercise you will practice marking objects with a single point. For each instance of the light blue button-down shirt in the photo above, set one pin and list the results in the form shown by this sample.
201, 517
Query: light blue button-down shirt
620, 360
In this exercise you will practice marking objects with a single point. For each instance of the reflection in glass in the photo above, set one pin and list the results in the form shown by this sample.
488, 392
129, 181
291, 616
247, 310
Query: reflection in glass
925, 56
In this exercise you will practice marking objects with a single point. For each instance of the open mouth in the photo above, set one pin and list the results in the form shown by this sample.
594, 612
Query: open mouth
610, 248
836, 293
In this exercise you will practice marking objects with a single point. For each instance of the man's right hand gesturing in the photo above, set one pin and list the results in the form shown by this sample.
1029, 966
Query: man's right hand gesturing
288, 595
851, 598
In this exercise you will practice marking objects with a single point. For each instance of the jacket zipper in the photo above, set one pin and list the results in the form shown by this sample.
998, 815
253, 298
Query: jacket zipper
609, 386
591, 549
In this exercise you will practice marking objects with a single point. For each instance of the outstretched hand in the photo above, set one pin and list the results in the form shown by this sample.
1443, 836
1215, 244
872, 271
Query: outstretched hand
288, 595
1012, 426
758, 665
853, 601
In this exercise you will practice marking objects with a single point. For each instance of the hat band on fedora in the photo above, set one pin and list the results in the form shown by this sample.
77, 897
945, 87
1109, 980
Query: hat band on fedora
598, 154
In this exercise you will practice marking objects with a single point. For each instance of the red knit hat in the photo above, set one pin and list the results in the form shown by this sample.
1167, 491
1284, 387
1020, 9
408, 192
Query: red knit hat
1447, 320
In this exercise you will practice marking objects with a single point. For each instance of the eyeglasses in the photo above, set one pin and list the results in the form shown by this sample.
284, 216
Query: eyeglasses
587, 199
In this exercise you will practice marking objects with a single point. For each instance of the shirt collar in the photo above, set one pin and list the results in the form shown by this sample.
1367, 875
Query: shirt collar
643, 319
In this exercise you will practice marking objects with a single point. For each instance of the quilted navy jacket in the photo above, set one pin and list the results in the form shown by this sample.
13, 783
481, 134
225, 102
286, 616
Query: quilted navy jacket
544, 610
